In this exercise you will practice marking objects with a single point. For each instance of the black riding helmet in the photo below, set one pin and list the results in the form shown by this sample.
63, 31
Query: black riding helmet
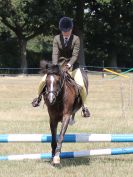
65, 24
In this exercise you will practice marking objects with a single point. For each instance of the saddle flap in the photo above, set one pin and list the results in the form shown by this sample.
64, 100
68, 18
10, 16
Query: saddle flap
71, 81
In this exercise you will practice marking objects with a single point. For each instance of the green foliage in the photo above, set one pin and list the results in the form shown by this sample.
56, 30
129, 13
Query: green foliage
39, 48
27, 18
40, 44
109, 31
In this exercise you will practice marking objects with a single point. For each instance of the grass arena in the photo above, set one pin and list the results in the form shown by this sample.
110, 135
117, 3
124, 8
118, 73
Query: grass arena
110, 102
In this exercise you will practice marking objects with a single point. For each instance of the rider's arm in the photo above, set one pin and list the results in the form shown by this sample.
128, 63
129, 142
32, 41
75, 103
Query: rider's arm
75, 52
55, 53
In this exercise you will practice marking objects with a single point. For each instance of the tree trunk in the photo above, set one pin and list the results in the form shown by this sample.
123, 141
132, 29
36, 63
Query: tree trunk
80, 29
23, 54
81, 53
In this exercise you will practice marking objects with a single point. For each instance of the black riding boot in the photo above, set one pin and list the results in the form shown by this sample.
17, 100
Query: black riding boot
85, 112
36, 101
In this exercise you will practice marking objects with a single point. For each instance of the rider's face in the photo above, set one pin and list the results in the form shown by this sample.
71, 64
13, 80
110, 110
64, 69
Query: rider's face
67, 34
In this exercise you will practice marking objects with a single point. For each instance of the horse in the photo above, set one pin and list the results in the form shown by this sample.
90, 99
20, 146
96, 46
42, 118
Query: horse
62, 98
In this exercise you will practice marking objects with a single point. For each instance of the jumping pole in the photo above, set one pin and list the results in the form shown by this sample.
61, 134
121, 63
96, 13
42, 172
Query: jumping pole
68, 138
64, 155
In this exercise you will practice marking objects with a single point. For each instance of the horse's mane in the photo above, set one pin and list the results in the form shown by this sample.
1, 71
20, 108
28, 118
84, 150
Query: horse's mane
54, 69
49, 68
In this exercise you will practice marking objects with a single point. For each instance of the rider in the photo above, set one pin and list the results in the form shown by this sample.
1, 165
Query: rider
66, 45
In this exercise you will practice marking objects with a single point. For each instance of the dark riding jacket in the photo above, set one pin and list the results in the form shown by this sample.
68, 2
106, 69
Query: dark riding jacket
70, 52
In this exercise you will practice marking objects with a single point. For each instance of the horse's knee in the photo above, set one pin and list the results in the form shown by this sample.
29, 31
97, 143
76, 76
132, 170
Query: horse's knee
61, 138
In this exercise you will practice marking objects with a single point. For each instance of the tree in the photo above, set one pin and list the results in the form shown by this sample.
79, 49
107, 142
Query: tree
26, 19
109, 30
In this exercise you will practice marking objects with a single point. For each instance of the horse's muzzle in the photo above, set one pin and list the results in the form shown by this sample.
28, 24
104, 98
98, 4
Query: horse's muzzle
51, 98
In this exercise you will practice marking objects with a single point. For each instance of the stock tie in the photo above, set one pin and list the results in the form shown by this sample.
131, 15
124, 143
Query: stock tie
65, 42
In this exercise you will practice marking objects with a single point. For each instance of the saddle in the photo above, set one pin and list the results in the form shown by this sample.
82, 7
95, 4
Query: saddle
63, 62
72, 82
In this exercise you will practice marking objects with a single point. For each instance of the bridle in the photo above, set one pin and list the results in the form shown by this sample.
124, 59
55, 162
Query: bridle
61, 84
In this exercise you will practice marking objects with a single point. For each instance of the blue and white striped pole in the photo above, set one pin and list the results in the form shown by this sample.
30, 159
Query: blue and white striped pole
63, 155
84, 137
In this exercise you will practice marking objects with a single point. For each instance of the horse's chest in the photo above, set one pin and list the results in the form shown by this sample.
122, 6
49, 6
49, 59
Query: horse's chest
56, 112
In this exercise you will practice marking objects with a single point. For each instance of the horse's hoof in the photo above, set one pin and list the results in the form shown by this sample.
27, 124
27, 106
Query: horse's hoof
56, 160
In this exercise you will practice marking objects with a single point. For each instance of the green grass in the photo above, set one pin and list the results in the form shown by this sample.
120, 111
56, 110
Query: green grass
108, 115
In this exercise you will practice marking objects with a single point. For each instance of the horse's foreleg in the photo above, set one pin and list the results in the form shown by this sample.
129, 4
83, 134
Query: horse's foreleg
53, 127
72, 121
56, 159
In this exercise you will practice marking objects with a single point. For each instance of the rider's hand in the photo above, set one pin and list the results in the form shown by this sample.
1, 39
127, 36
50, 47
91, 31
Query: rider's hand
67, 67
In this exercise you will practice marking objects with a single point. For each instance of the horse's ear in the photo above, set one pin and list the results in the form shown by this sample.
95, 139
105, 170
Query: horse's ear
53, 69
56, 68
44, 66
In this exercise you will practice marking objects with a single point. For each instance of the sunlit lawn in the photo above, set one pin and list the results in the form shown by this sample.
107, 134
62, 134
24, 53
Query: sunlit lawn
110, 103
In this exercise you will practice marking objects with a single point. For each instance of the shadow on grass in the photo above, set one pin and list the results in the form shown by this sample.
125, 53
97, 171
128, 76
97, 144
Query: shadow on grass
70, 162
75, 162
88, 161
115, 159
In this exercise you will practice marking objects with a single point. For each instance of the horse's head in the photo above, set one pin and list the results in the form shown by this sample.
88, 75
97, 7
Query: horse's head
54, 83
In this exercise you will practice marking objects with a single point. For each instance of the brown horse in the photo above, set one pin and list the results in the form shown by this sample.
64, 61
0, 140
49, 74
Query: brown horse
61, 95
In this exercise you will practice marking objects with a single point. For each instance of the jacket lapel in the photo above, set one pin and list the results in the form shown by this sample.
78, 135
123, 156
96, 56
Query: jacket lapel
69, 42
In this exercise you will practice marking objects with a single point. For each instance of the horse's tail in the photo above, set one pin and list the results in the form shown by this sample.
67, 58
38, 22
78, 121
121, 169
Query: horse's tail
85, 79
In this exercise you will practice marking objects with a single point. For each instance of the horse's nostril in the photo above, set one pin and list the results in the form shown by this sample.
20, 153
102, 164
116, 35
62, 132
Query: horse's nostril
53, 98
